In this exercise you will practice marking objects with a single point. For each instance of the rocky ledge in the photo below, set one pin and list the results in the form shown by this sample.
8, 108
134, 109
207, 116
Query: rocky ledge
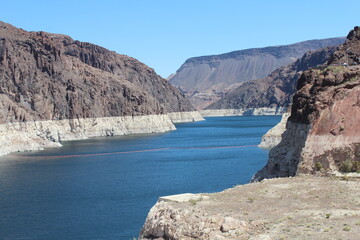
288, 208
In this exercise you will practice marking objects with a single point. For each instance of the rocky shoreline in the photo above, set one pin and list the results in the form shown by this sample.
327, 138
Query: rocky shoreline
37, 135
243, 112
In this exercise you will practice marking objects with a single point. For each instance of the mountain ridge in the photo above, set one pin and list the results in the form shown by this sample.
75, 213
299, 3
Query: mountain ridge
206, 79
276, 89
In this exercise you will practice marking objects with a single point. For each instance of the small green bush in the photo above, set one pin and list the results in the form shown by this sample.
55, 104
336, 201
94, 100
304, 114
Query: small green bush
346, 166
336, 68
356, 166
350, 166
318, 166
346, 228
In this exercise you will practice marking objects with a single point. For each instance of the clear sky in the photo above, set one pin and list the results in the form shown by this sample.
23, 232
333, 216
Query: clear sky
164, 33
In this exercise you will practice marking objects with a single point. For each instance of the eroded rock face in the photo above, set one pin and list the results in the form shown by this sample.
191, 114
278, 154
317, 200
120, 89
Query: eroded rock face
323, 130
84, 89
277, 89
47, 76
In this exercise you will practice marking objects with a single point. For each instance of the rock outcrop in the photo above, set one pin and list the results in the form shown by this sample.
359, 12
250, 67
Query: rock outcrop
51, 77
287, 208
206, 79
273, 136
323, 132
277, 89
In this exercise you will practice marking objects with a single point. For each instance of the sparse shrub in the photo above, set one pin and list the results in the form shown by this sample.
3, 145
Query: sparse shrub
350, 166
346, 166
335, 68
346, 228
353, 79
318, 166
195, 201
328, 215
356, 166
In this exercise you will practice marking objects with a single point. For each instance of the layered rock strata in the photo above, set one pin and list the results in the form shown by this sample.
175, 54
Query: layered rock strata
51, 77
37, 135
242, 112
206, 79
323, 132
277, 89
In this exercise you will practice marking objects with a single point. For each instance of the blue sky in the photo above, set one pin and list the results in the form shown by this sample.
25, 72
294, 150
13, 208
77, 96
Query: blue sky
164, 33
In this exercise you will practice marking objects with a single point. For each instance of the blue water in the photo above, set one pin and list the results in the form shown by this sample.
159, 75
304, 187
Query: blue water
109, 196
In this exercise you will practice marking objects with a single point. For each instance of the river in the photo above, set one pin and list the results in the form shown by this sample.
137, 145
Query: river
103, 188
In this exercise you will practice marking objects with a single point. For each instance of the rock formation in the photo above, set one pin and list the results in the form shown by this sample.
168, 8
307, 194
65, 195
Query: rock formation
323, 134
304, 207
273, 137
273, 92
51, 77
206, 79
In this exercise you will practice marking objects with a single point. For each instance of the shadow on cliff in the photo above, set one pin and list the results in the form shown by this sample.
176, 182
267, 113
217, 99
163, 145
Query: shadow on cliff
285, 157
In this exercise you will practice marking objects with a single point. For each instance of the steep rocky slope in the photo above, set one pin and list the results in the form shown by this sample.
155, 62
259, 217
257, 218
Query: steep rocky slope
277, 89
51, 77
323, 131
206, 79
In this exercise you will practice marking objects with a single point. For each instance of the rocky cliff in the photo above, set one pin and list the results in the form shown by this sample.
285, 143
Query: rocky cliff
323, 134
51, 77
273, 137
206, 79
277, 89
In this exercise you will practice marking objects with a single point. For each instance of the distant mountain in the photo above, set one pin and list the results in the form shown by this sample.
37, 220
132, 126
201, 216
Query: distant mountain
277, 89
205, 79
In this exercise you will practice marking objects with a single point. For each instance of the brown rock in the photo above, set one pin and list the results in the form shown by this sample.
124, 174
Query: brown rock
46, 76
323, 131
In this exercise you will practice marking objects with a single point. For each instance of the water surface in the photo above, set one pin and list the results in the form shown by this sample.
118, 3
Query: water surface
109, 196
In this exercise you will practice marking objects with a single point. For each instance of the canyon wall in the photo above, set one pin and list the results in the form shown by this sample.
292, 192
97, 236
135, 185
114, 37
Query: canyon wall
54, 88
322, 134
